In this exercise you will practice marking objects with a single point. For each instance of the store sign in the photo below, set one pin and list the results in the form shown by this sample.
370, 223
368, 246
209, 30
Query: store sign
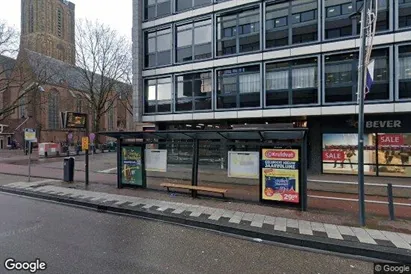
381, 124
391, 140
280, 175
30, 135
131, 165
333, 155
243, 164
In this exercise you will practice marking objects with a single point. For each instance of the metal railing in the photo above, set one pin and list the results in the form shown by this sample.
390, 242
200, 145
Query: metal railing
390, 198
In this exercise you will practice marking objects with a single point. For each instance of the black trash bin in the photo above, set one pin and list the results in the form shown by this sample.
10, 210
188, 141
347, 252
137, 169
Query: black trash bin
69, 169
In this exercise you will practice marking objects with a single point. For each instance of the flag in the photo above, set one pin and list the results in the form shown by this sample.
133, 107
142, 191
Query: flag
370, 76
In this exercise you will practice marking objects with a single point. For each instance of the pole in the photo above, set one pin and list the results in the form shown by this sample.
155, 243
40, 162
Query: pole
361, 91
87, 160
29, 152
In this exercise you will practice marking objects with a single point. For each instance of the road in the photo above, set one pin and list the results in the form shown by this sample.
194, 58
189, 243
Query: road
74, 240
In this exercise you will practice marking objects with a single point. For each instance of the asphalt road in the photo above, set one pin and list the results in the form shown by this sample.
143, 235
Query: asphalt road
74, 240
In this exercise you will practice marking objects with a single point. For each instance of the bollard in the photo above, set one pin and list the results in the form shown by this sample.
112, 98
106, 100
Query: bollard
390, 202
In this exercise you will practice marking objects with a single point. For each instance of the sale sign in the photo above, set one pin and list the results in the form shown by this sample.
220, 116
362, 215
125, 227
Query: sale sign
333, 155
390, 140
280, 175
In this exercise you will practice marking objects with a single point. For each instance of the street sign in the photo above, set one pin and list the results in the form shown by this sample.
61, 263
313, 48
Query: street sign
84, 143
30, 134
92, 137
70, 136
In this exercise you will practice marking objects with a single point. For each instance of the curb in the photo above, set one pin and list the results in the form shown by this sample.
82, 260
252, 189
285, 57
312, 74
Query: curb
349, 248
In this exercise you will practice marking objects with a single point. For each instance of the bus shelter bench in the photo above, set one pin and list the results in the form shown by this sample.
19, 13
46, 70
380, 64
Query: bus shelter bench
197, 188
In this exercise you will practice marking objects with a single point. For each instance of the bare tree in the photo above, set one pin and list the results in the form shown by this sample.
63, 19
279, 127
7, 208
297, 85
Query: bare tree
105, 61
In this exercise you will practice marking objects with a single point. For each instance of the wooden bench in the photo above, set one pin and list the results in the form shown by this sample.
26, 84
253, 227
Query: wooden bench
197, 188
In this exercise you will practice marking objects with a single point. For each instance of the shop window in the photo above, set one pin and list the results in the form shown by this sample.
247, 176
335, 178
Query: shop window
292, 83
293, 22
239, 87
156, 8
404, 13
404, 72
340, 153
158, 95
158, 46
193, 91
338, 20
394, 154
238, 32
341, 75
194, 41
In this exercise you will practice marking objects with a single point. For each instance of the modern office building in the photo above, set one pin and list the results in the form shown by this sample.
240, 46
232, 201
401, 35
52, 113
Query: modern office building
202, 64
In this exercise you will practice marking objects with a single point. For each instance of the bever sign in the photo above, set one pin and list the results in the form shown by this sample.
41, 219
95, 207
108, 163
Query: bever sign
383, 124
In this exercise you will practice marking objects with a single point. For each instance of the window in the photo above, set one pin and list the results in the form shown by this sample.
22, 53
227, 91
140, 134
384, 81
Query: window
156, 8
292, 83
239, 87
338, 20
111, 118
22, 107
31, 16
53, 110
394, 154
158, 48
193, 91
293, 22
194, 41
238, 33
341, 74
404, 13
59, 22
79, 106
404, 72
157, 95
182, 5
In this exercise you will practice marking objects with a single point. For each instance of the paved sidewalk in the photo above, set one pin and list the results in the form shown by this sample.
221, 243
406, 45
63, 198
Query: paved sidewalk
353, 240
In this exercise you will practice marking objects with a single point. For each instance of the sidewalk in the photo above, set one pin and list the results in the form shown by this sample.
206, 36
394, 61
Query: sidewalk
269, 224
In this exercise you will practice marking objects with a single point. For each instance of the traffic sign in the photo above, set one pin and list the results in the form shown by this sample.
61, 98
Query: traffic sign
92, 137
30, 134
84, 143
70, 136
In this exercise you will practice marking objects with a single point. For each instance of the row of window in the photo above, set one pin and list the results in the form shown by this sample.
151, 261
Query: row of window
284, 24
160, 8
286, 83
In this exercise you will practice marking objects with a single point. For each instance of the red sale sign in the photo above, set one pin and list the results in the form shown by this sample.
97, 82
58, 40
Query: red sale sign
391, 140
333, 155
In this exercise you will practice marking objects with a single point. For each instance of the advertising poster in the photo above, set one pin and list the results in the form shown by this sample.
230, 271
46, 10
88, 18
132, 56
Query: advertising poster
243, 164
156, 160
280, 175
131, 163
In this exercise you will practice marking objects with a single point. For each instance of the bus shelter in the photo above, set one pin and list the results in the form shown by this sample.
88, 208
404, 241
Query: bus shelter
280, 163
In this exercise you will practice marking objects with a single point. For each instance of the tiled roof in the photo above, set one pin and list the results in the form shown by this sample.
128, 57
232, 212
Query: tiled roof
6, 65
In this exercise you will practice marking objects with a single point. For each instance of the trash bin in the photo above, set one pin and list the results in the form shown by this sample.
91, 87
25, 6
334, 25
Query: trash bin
69, 169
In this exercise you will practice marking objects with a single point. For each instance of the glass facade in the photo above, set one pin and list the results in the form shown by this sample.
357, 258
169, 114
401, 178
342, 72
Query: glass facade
158, 45
156, 8
193, 91
404, 13
404, 72
158, 95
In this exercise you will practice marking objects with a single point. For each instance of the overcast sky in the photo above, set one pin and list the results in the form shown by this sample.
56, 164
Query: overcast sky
116, 13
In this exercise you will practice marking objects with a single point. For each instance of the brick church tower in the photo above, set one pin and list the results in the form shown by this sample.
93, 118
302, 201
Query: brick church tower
48, 27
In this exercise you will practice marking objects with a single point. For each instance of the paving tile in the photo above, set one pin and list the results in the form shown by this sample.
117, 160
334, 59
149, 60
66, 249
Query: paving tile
396, 239
292, 223
164, 206
197, 212
406, 237
180, 210
269, 220
228, 214
209, 210
345, 230
304, 227
248, 217
217, 215
363, 236
333, 232
376, 234
280, 224
236, 219
258, 220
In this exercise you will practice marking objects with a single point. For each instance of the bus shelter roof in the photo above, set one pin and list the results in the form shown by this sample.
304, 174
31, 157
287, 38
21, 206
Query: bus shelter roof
229, 134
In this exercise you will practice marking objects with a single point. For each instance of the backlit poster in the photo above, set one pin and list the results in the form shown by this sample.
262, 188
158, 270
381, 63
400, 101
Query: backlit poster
280, 175
131, 164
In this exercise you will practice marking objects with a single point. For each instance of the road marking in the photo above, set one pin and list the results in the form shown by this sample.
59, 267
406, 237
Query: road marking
107, 170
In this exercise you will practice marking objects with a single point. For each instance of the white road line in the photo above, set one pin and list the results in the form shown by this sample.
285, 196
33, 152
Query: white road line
107, 170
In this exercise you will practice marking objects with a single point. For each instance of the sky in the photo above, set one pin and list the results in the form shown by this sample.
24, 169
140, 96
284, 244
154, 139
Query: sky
115, 13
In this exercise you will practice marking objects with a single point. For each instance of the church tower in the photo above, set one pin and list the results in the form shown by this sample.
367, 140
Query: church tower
48, 27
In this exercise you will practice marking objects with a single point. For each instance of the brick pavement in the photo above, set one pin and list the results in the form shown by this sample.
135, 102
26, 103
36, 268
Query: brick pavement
278, 227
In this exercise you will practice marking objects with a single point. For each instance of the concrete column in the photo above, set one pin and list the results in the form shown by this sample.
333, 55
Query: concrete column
138, 58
